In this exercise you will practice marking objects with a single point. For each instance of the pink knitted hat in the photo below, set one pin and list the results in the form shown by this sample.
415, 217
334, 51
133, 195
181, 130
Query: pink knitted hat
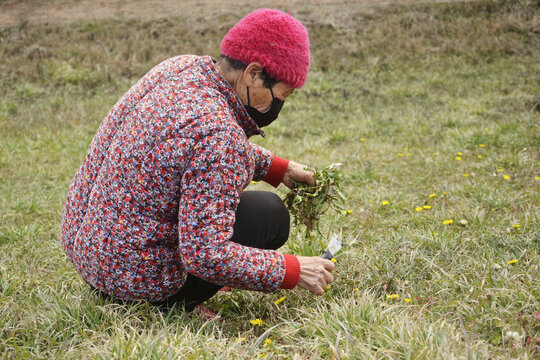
276, 40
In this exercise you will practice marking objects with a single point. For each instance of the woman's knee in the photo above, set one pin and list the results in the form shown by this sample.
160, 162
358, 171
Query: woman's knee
263, 218
282, 218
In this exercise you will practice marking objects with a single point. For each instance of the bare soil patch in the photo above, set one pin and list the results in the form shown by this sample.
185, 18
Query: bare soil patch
18, 12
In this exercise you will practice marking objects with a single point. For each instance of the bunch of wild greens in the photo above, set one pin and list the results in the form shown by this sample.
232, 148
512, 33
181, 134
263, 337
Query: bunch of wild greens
306, 203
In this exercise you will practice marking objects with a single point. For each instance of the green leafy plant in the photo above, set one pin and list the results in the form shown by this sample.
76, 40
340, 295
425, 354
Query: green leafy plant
307, 203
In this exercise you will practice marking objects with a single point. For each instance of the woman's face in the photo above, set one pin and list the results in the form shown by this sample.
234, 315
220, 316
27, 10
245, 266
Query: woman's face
260, 96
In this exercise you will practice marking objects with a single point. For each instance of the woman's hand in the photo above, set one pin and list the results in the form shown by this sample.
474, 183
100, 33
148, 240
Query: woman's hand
296, 172
315, 273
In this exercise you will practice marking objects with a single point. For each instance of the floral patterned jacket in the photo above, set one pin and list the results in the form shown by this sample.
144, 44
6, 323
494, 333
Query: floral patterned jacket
156, 195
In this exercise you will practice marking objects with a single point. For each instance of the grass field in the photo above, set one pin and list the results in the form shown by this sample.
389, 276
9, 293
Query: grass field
431, 107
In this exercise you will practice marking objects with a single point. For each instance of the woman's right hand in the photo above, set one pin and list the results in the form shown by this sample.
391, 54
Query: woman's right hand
315, 273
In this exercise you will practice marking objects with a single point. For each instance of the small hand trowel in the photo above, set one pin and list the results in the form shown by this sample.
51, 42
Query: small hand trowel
333, 247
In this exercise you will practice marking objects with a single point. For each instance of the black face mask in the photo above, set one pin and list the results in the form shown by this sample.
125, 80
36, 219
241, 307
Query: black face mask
265, 118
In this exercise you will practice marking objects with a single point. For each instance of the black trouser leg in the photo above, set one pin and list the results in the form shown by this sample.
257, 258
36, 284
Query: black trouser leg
262, 221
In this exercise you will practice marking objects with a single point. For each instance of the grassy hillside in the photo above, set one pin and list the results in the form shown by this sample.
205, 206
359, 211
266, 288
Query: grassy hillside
434, 110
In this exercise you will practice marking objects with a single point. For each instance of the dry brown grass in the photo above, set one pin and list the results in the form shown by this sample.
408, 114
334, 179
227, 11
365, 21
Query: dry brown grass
93, 52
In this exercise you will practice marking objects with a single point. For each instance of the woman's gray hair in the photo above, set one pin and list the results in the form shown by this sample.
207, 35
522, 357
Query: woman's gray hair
268, 81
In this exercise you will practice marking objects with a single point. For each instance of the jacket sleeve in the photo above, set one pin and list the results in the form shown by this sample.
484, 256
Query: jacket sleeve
268, 167
211, 188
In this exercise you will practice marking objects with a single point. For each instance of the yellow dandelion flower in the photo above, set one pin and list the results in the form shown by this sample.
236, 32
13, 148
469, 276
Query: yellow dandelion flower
268, 342
435, 234
500, 169
458, 158
407, 300
436, 154
256, 322
481, 145
399, 154
479, 157
370, 200
362, 139
427, 207
506, 177
466, 175
333, 260
513, 261
328, 287
280, 300
240, 339
432, 195
262, 355
356, 289
448, 222
254, 182
346, 212
392, 296
385, 202
515, 226
419, 208
537, 178
459, 153
444, 193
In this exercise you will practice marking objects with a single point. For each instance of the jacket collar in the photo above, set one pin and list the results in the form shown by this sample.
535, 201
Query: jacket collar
238, 109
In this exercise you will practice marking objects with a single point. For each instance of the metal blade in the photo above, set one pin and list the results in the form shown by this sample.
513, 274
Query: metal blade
333, 247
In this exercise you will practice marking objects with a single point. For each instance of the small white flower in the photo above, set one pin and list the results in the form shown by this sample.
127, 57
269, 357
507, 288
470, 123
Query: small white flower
514, 335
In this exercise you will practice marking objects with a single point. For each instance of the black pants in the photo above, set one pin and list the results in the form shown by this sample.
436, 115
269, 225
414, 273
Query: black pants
262, 221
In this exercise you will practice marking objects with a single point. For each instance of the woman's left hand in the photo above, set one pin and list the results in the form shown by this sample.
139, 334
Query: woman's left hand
296, 172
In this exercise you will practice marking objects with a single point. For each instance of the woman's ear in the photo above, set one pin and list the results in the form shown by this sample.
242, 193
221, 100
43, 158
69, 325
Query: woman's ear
252, 73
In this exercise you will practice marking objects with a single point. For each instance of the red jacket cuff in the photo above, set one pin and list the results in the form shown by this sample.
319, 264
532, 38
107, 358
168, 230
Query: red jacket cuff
277, 171
292, 272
